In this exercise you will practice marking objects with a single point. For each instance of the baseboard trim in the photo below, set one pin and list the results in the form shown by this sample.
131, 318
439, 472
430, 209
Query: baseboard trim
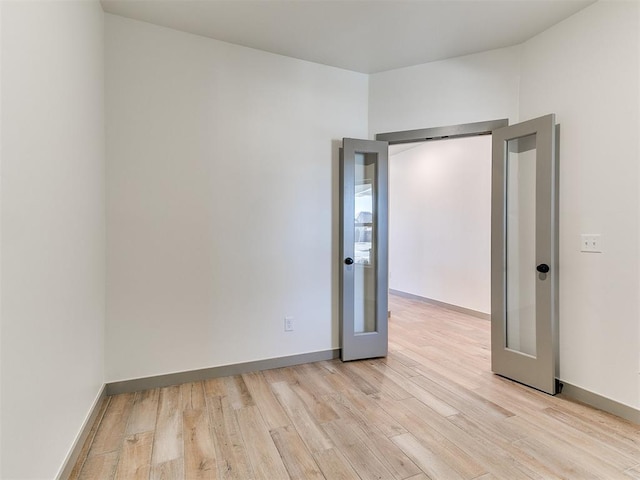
573, 392
159, 381
456, 308
85, 430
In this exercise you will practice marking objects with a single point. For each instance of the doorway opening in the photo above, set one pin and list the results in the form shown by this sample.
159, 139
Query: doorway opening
440, 215
440, 223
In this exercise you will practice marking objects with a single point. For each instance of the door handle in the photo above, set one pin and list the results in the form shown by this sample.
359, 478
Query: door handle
543, 268
348, 261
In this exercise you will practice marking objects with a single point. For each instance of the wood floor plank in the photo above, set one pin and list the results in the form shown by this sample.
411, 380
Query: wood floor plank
145, 410
111, 432
238, 393
384, 383
360, 456
351, 402
232, 461
310, 432
420, 476
400, 357
365, 411
199, 450
168, 451
135, 459
400, 368
623, 430
629, 445
496, 452
263, 454
460, 398
276, 375
633, 473
355, 379
214, 387
611, 451
101, 466
556, 460
313, 377
422, 394
335, 466
169, 470
192, 396
297, 459
391, 457
316, 404
571, 446
430, 462
451, 445
271, 410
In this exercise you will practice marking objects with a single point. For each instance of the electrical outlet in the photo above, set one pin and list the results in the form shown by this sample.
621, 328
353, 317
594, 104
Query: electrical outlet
288, 324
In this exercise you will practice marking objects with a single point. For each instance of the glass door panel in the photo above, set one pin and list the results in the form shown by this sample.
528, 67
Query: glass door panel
364, 243
521, 245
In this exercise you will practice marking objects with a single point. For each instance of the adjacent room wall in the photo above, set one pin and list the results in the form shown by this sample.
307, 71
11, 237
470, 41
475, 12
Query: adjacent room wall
222, 200
53, 230
592, 84
440, 221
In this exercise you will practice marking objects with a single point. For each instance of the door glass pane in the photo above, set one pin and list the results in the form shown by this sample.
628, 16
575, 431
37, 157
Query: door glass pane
521, 245
365, 244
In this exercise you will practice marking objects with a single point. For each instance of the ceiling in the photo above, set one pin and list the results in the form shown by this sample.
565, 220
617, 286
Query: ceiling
361, 35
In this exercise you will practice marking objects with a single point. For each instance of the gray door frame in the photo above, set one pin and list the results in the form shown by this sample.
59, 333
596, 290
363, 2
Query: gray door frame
440, 133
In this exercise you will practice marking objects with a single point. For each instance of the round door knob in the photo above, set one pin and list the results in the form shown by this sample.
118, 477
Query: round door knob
348, 261
543, 268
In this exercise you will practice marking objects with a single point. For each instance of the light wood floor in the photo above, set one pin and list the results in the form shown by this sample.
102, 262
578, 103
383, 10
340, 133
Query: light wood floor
431, 409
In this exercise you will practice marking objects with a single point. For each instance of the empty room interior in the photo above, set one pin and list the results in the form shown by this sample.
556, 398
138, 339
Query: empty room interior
319, 239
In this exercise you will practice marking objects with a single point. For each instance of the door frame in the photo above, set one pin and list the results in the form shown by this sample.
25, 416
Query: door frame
440, 133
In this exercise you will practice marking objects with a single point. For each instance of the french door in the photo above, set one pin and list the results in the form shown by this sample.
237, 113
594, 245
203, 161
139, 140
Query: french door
524, 253
524, 247
363, 248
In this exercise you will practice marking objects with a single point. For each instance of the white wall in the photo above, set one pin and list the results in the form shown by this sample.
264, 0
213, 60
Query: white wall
222, 200
53, 230
585, 69
440, 221
467, 89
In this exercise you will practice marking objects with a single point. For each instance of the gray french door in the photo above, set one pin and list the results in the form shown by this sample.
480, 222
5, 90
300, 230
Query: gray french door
524, 258
363, 248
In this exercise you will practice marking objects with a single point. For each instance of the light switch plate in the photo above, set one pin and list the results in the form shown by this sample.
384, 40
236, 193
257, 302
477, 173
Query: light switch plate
591, 243
288, 324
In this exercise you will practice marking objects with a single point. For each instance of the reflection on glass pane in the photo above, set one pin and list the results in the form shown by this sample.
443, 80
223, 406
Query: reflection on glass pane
364, 244
521, 245
363, 222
